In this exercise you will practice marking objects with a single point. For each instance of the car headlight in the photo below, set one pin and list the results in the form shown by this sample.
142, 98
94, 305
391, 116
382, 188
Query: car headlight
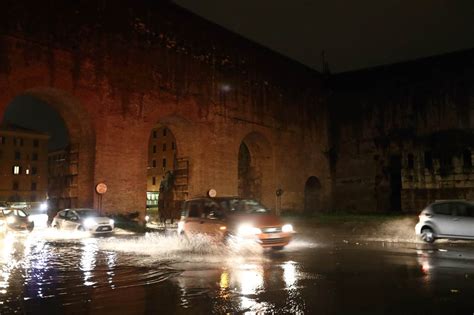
247, 229
88, 223
287, 228
11, 220
147, 218
111, 222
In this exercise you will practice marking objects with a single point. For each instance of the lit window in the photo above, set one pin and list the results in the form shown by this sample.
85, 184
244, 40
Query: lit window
27, 172
16, 169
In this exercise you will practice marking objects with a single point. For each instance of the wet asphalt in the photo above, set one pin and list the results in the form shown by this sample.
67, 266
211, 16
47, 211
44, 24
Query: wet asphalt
327, 269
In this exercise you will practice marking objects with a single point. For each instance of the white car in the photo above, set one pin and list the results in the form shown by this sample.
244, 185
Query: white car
452, 219
83, 220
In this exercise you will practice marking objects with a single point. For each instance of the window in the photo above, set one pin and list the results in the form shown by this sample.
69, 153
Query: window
173, 146
195, 210
164, 163
467, 159
428, 160
17, 155
154, 163
33, 186
21, 142
16, 169
442, 208
34, 156
35, 142
34, 170
15, 186
164, 132
153, 180
411, 161
459, 209
154, 134
2, 139
27, 171
154, 149
164, 146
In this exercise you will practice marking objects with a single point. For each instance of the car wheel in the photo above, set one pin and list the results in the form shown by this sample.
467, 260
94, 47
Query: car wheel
428, 235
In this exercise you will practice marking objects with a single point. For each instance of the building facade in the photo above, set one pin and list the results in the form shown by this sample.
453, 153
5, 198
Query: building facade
23, 165
62, 173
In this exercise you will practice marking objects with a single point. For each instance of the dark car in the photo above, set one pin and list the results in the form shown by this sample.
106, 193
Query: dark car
16, 220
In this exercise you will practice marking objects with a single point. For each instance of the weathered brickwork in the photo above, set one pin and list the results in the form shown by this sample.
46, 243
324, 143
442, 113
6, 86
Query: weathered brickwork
402, 135
114, 70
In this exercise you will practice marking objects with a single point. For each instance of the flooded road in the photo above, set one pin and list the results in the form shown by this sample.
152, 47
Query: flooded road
50, 273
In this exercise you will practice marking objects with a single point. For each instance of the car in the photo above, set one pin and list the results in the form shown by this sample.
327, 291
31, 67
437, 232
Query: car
234, 217
15, 220
450, 219
83, 219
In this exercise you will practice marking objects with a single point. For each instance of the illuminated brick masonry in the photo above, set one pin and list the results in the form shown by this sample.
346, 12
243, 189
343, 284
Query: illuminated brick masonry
246, 121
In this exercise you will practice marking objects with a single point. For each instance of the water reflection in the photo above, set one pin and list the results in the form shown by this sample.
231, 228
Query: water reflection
88, 260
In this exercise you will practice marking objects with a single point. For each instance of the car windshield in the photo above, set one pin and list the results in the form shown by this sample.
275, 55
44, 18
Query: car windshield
16, 212
87, 213
247, 206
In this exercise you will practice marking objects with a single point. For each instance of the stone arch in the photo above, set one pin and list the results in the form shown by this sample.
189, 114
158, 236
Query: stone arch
312, 195
175, 177
255, 168
81, 134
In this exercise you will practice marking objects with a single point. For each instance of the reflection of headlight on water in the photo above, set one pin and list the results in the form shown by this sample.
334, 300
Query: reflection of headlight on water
89, 222
247, 230
287, 228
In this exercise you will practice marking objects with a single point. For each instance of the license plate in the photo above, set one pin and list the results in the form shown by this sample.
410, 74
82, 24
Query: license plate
271, 235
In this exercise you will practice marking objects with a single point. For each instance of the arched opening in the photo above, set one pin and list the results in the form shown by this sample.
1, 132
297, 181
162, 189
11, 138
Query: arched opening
255, 168
165, 174
312, 195
51, 139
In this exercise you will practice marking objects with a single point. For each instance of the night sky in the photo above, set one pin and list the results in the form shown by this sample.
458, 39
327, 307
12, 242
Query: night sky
354, 34
28, 112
